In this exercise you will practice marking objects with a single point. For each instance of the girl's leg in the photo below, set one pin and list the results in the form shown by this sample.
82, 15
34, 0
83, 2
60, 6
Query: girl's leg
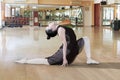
88, 51
87, 47
34, 61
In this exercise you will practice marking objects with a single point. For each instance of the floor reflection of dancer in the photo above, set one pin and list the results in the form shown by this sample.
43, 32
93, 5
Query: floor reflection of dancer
69, 49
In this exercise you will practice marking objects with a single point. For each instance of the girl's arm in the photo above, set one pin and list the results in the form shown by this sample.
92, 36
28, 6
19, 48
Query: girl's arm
61, 33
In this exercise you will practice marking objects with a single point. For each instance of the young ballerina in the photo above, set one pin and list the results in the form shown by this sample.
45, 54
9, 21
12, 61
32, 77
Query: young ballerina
69, 49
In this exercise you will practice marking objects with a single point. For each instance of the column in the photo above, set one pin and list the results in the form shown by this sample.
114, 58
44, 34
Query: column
97, 15
87, 16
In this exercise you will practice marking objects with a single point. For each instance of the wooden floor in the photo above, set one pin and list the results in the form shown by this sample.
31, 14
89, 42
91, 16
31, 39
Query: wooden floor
30, 42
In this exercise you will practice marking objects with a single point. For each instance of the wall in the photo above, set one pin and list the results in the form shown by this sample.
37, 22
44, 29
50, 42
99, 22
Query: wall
97, 1
0, 15
3, 10
116, 1
32, 1
108, 1
54, 2
26, 1
92, 6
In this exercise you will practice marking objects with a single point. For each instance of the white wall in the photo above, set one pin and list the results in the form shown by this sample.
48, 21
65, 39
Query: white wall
97, 1
0, 16
108, 1
117, 1
21, 1
87, 16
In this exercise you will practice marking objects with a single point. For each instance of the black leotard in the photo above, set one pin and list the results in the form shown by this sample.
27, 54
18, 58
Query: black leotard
72, 48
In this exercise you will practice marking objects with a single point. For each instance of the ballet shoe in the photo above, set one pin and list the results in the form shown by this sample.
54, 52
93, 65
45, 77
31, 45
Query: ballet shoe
22, 61
91, 61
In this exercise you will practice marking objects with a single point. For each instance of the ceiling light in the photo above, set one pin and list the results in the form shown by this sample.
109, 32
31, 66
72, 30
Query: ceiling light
34, 7
22, 6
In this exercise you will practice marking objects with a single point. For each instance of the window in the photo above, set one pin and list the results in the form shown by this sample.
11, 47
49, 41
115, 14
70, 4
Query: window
108, 15
118, 12
13, 12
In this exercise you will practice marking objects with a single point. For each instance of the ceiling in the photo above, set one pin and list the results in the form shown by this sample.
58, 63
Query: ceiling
47, 6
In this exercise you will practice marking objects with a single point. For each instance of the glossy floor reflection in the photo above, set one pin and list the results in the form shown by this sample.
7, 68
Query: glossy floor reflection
31, 42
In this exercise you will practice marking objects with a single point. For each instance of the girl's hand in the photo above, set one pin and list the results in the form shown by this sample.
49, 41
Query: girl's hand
65, 62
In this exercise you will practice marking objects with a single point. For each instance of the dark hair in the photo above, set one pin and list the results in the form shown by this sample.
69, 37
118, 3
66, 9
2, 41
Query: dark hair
50, 33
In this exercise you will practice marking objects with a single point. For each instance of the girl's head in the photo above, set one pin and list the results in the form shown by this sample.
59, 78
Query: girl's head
51, 30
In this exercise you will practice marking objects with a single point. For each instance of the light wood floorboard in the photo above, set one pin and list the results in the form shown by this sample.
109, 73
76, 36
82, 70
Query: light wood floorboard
30, 42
